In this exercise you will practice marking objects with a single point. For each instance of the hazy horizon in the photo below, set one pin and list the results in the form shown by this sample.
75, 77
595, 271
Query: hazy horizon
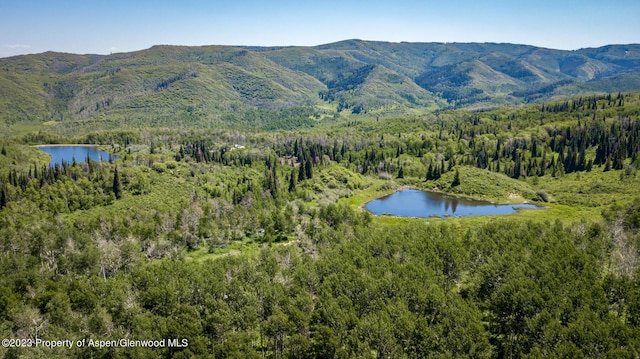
72, 26
365, 40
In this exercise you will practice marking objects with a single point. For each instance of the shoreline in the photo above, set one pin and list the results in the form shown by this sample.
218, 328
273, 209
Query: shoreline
362, 206
67, 144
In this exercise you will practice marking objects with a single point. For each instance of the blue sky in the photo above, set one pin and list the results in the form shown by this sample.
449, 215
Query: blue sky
101, 26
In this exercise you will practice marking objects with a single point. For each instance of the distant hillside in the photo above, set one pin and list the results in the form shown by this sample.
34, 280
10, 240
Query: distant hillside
200, 86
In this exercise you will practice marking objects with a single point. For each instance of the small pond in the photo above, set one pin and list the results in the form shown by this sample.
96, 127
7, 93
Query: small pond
68, 153
415, 203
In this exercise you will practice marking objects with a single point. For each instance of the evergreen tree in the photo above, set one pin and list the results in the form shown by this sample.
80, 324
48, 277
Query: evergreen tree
401, 173
481, 161
582, 161
452, 163
301, 173
292, 181
517, 168
437, 172
308, 169
117, 189
456, 179
618, 159
3, 197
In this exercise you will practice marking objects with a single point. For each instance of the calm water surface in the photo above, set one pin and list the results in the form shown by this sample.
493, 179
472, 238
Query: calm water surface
80, 153
415, 203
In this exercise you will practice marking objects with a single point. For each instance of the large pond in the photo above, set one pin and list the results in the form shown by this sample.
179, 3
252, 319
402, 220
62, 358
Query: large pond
415, 203
69, 153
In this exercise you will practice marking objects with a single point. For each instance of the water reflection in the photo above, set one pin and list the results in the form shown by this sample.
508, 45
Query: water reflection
415, 203
71, 154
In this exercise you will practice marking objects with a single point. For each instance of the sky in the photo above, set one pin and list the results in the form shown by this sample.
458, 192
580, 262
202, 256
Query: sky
103, 27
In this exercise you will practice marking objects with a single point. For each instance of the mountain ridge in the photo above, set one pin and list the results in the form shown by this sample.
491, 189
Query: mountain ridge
203, 83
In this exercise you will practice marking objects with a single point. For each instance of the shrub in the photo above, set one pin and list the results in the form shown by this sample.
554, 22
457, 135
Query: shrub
159, 167
542, 195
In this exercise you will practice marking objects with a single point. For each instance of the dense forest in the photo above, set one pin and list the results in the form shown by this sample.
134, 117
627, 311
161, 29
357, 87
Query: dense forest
228, 243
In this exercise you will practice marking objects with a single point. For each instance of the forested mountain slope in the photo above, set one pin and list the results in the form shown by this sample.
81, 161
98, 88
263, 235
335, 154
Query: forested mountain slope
190, 86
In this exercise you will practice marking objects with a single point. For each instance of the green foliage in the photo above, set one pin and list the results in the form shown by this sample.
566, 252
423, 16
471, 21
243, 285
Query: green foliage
479, 183
291, 88
456, 179
542, 195
253, 243
117, 187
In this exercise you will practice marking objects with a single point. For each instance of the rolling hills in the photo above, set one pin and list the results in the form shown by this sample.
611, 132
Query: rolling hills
179, 86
